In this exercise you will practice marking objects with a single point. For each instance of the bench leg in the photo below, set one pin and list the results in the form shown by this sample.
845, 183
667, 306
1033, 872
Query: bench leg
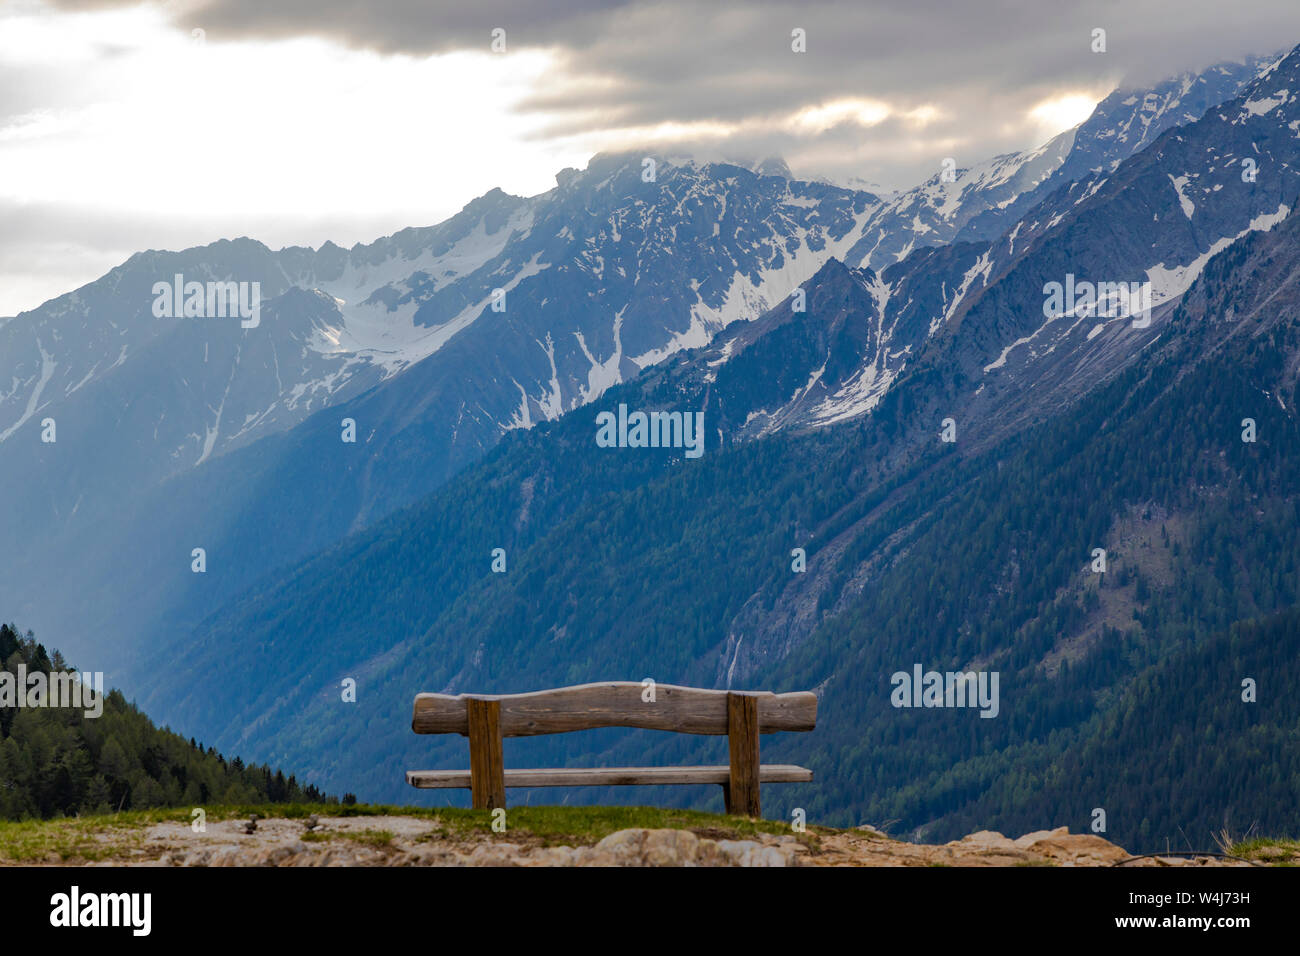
742, 739
487, 776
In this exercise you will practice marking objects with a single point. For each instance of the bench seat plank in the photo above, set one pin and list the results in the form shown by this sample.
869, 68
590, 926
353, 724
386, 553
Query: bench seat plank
607, 776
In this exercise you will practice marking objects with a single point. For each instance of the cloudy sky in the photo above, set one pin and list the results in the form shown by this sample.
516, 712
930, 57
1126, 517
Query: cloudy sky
135, 125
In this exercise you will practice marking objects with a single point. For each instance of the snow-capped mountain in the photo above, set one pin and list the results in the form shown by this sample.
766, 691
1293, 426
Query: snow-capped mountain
378, 309
934, 212
331, 323
1190, 194
794, 364
821, 359
436, 342
981, 200
978, 312
1124, 123
990, 358
383, 307
511, 313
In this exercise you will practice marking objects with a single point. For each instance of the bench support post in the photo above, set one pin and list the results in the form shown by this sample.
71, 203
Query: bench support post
486, 763
741, 793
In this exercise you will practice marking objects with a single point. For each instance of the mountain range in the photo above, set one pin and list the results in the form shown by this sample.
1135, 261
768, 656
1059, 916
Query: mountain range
833, 339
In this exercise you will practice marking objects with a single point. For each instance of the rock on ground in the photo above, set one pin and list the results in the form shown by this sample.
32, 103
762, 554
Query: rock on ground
412, 841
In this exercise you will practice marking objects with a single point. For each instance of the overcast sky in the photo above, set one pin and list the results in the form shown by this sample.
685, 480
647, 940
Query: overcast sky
135, 125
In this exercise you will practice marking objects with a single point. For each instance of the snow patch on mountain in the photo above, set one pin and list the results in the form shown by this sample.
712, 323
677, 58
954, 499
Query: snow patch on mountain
1180, 183
603, 375
1268, 104
980, 270
390, 336
1168, 282
862, 391
48, 365
392, 339
747, 298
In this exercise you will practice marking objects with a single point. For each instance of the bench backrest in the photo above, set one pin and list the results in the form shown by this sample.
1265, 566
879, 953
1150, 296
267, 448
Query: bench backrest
688, 710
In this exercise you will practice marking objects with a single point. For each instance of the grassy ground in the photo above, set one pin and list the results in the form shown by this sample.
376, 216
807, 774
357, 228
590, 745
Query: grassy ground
92, 838
118, 836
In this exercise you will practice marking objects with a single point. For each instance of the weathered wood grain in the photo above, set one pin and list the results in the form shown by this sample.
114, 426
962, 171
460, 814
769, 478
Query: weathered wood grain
689, 710
606, 776
742, 740
486, 762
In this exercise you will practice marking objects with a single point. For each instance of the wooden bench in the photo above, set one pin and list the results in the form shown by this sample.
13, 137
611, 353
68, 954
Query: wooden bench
486, 719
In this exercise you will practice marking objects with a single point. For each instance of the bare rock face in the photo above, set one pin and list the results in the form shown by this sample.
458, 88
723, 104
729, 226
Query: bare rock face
1072, 849
634, 847
681, 848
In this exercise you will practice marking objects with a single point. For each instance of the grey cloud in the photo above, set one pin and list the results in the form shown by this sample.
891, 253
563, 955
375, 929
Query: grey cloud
640, 64
388, 26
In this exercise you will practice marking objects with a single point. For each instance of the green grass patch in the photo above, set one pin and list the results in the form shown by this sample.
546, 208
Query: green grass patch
1274, 850
374, 838
87, 839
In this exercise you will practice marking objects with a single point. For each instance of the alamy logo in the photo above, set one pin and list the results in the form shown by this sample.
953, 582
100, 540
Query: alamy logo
652, 430
75, 908
212, 300
951, 689
60, 689
1104, 300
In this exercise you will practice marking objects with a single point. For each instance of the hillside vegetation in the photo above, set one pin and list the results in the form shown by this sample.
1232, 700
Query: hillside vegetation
57, 761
